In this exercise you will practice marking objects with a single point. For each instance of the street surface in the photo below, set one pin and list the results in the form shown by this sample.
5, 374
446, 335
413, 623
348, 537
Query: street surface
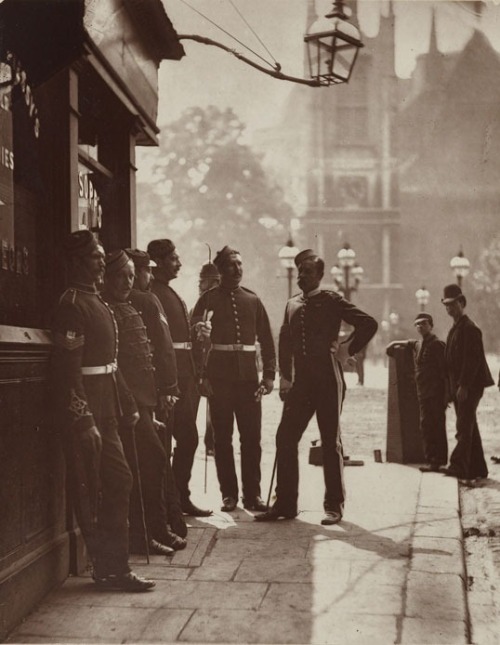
393, 571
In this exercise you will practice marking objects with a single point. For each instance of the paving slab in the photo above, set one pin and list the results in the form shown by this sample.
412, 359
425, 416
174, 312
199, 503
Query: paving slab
435, 595
431, 631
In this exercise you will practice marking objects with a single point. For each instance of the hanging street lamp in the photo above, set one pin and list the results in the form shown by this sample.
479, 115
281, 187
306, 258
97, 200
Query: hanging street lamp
460, 266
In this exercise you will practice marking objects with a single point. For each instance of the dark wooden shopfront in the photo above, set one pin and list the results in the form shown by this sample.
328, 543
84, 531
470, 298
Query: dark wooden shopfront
78, 92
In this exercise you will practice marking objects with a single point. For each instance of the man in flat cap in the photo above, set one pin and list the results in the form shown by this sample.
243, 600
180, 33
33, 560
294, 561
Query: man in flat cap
165, 364
309, 349
468, 375
238, 320
90, 397
432, 392
183, 424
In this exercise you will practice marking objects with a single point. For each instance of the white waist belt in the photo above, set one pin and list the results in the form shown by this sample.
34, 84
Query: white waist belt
182, 345
234, 348
99, 369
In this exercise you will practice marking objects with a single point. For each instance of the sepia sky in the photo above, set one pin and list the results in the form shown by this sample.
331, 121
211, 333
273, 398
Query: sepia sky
209, 76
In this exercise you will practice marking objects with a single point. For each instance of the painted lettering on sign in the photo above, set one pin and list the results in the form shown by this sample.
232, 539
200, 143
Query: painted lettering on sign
89, 205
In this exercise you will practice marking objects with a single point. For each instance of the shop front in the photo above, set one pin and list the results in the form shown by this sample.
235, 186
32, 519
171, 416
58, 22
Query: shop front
78, 93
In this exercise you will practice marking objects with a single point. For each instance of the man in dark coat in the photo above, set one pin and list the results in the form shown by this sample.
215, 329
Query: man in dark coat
234, 318
90, 397
432, 392
468, 375
183, 423
144, 450
309, 349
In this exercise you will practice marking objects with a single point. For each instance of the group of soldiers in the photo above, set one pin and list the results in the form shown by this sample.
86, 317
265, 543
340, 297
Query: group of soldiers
452, 372
129, 365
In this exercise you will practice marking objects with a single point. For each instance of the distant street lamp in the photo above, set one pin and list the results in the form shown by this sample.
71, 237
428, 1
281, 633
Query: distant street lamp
286, 256
460, 266
422, 295
346, 269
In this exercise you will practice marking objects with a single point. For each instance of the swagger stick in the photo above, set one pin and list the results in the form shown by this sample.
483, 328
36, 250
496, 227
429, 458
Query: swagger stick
141, 498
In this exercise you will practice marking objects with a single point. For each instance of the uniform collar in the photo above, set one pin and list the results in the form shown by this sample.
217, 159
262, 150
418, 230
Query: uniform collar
312, 293
82, 286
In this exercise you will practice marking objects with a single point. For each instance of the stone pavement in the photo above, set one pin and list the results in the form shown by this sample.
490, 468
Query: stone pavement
391, 572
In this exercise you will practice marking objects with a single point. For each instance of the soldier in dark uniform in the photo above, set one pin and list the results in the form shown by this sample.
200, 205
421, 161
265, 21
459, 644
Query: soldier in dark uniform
183, 423
144, 450
308, 344
239, 320
165, 364
90, 396
430, 378
468, 375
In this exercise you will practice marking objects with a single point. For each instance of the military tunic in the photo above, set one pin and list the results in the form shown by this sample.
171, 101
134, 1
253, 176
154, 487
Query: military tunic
430, 379
85, 340
310, 330
239, 320
182, 421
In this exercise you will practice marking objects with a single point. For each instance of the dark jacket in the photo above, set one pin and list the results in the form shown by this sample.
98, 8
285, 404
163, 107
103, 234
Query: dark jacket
310, 326
178, 322
430, 366
84, 335
465, 360
239, 318
153, 315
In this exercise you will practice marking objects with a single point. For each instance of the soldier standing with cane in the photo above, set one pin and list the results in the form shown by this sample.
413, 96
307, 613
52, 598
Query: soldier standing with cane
90, 396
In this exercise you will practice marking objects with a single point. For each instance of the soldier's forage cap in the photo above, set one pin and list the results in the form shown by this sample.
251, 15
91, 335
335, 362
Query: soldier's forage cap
80, 243
223, 256
209, 270
451, 293
421, 317
304, 255
115, 261
158, 249
140, 259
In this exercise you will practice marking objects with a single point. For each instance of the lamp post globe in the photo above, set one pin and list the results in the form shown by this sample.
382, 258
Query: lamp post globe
422, 295
286, 256
346, 271
460, 266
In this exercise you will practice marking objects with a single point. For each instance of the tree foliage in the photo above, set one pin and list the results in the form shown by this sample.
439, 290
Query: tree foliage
207, 186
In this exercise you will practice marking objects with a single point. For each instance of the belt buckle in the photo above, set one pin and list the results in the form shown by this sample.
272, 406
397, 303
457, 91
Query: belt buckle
238, 347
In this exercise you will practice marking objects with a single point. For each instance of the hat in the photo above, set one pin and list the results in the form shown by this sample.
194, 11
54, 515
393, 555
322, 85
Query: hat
158, 249
116, 260
451, 293
304, 255
423, 316
223, 256
141, 259
209, 270
80, 243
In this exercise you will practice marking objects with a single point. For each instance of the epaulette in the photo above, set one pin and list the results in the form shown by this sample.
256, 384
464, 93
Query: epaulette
68, 296
248, 291
334, 295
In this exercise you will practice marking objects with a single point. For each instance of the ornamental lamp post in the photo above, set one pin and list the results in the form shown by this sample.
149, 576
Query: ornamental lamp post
333, 45
422, 295
346, 268
286, 256
460, 266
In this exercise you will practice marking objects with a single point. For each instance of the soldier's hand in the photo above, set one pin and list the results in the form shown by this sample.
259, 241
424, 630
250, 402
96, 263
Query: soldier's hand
90, 440
285, 387
341, 353
203, 330
166, 402
130, 420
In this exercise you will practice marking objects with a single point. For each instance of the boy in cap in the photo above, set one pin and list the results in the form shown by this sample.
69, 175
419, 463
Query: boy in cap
183, 424
432, 392
468, 375
90, 396
239, 319
310, 354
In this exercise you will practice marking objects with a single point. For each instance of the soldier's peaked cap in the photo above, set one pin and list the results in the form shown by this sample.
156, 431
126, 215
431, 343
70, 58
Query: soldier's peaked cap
115, 261
223, 256
209, 270
421, 317
304, 255
80, 243
140, 259
160, 248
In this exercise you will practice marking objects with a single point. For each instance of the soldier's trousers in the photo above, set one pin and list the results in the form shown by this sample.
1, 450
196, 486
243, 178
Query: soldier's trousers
316, 389
101, 486
185, 433
467, 459
148, 461
232, 399
433, 429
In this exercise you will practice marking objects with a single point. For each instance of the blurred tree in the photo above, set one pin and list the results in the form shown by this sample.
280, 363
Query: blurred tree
206, 185
486, 283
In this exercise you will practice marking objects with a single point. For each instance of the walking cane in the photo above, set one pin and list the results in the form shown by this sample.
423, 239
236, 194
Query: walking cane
272, 478
141, 498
